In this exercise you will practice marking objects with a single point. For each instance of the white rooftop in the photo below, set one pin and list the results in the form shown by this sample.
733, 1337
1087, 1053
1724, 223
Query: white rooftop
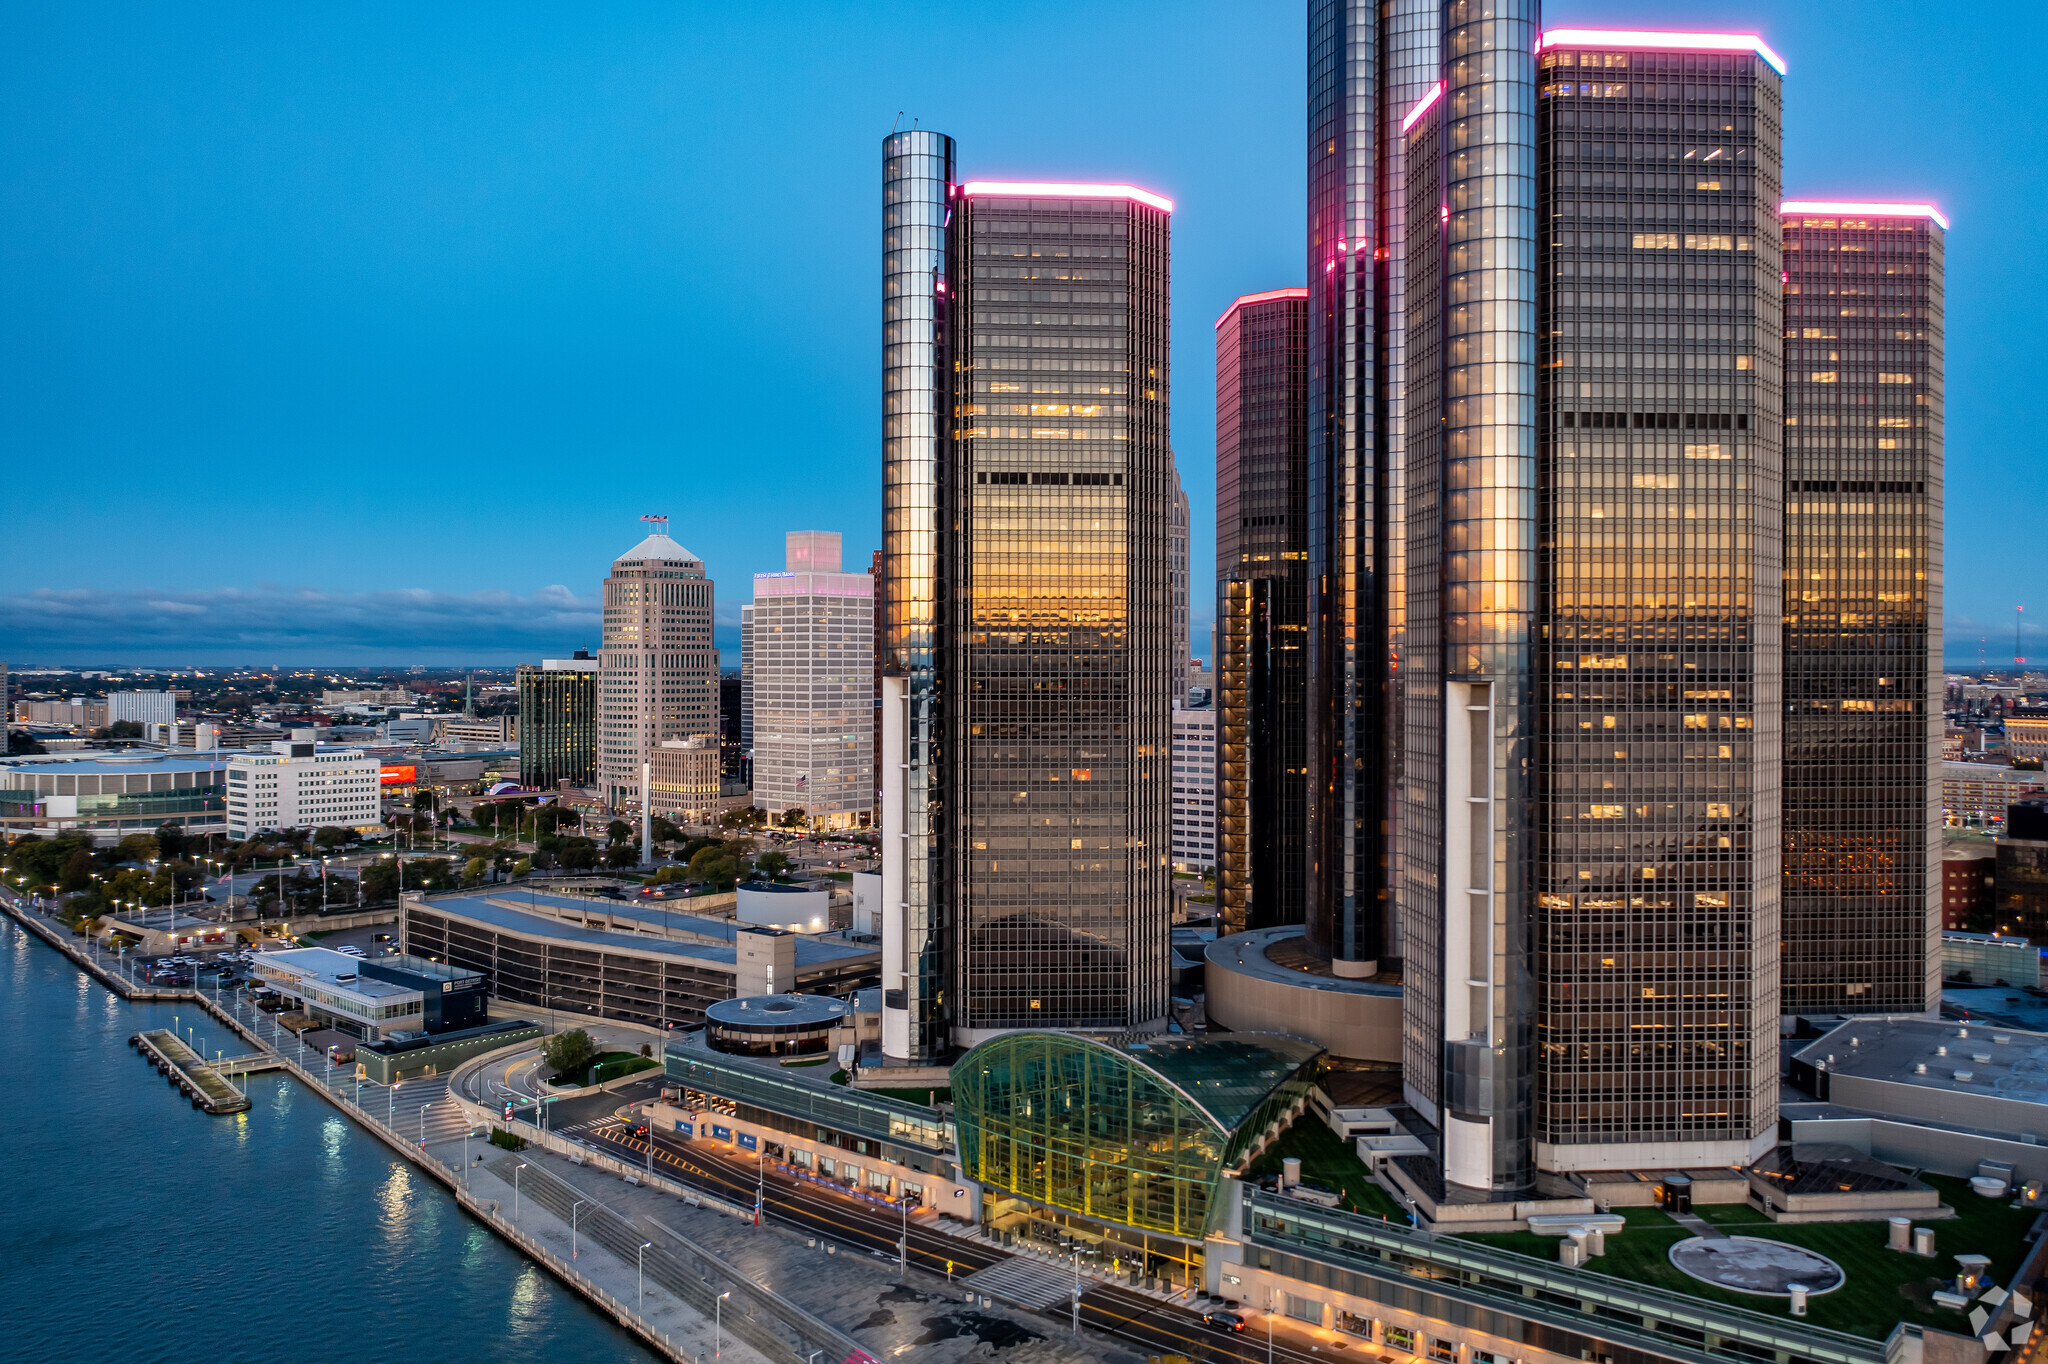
657, 546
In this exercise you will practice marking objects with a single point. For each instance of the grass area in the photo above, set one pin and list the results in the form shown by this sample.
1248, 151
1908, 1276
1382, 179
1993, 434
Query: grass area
806, 1065
1328, 1162
610, 1066
840, 875
1882, 1287
923, 1098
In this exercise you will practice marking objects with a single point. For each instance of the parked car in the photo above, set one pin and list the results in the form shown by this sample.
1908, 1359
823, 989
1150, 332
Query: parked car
1223, 1321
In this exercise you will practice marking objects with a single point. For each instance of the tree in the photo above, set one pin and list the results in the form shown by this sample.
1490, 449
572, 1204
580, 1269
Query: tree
172, 843
773, 864
578, 854
77, 873
621, 855
751, 817
23, 746
665, 832
569, 1052
793, 819
618, 831
473, 871
136, 848
330, 838
120, 729
380, 882
425, 800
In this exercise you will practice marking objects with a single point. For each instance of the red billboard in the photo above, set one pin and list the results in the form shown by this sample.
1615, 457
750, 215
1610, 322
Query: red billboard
398, 774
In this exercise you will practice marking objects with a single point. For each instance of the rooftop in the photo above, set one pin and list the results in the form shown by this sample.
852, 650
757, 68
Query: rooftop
102, 764
1955, 1058
810, 951
1225, 1076
658, 546
778, 1011
329, 969
1255, 953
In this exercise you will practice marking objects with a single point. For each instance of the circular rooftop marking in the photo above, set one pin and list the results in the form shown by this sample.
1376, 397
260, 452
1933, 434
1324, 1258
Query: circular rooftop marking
1749, 1264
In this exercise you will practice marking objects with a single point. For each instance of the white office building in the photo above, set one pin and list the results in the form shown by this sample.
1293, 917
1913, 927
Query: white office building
1194, 789
143, 707
811, 659
747, 678
298, 784
657, 675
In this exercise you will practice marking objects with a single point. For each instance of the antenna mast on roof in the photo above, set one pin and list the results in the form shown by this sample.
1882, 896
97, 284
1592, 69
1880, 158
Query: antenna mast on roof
2019, 616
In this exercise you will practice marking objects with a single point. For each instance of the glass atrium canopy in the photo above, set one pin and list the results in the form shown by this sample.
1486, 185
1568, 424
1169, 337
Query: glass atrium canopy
1136, 1133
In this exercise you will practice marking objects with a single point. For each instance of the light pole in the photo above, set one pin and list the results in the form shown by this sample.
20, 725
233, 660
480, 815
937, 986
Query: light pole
515, 1190
1269, 1325
573, 1213
643, 1274
903, 1245
423, 1125
718, 1324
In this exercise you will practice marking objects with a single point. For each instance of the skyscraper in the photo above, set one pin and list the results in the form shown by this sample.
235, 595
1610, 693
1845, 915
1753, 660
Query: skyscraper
1178, 586
1055, 643
812, 633
917, 212
657, 670
1593, 665
1261, 609
747, 677
1862, 613
1368, 62
558, 722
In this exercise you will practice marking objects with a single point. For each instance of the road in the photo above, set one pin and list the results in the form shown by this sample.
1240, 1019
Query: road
1159, 1326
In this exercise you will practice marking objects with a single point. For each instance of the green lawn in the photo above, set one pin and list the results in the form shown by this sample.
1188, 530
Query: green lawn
610, 1066
1328, 1162
1883, 1287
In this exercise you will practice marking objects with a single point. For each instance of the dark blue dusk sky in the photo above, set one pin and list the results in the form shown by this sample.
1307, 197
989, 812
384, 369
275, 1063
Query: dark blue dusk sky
365, 333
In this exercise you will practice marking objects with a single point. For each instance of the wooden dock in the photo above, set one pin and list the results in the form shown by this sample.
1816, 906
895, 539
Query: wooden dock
189, 1072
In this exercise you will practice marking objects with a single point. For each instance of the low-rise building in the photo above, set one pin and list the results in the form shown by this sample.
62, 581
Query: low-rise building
142, 707
298, 784
1990, 959
376, 998
494, 731
1974, 795
1967, 880
76, 713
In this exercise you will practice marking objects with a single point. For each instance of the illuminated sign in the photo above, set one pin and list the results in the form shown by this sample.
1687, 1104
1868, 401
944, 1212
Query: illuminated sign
400, 774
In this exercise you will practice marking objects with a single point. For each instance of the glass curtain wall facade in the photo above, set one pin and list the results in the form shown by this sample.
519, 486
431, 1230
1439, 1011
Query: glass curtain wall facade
557, 723
917, 185
1137, 1137
1368, 63
1261, 608
1657, 716
1056, 651
1472, 602
1862, 612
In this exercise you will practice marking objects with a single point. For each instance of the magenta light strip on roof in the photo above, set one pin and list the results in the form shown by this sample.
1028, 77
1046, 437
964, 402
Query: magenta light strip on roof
1838, 209
1436, 92
1266, 297
1676, 42
1035, 190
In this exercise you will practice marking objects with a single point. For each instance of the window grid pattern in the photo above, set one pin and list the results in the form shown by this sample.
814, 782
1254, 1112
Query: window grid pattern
557, 727
1058, 647
657, 672
1658, 701
1862, 614
1262, 604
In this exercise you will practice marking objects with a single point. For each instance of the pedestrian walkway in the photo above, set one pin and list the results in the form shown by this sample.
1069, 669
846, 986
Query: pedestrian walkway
1024, 1283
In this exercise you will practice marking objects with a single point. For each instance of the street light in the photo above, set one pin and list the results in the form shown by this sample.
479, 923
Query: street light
515, 1190
718, 1324
572, 1226
643, 1274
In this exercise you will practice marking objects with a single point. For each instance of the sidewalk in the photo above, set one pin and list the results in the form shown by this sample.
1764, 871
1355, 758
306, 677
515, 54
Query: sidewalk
858, 1292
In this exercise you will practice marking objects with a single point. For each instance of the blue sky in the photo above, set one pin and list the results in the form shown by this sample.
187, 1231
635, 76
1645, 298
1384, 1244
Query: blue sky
365, 333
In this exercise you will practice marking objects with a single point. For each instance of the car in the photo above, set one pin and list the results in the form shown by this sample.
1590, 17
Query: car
351, 950
1223, 1321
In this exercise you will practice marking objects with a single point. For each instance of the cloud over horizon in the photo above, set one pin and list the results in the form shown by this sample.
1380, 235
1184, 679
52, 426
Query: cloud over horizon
272, 623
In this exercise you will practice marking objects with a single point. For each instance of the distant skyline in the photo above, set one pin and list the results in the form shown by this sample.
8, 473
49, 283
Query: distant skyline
366, 336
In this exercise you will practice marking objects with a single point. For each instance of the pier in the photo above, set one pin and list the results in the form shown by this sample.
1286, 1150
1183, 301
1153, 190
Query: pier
187, 1070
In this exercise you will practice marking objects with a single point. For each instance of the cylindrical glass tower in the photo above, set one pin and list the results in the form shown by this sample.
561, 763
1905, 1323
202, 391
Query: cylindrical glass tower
917, 180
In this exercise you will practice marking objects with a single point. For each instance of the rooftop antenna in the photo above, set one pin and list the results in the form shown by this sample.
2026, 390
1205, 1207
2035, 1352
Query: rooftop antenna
2018, 618
468, 706
897, 124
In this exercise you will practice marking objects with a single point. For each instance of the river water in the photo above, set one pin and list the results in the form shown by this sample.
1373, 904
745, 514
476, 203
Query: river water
136, 1228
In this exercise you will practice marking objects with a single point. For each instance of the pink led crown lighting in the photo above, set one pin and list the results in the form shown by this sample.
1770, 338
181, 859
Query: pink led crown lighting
1436, 92
1672, 42
1837, 208
1036, 190
1242, 299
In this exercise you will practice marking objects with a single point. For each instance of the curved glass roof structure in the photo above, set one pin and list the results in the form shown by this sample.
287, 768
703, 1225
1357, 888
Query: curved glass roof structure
1137, 1133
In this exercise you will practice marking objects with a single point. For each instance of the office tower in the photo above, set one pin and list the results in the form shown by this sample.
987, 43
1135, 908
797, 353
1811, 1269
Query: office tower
1862, 614
1261, 609
747, 678
657, 669
683, 779
1593, 640
731, 756
812, 669
1194, 788
917, 210
1178, 584
1368, 62
1056, 644
558, 722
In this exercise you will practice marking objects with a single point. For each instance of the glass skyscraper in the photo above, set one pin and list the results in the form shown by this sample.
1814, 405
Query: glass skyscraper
1594, 544
1055, 648
558, 722
1261, 609
1862, 614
